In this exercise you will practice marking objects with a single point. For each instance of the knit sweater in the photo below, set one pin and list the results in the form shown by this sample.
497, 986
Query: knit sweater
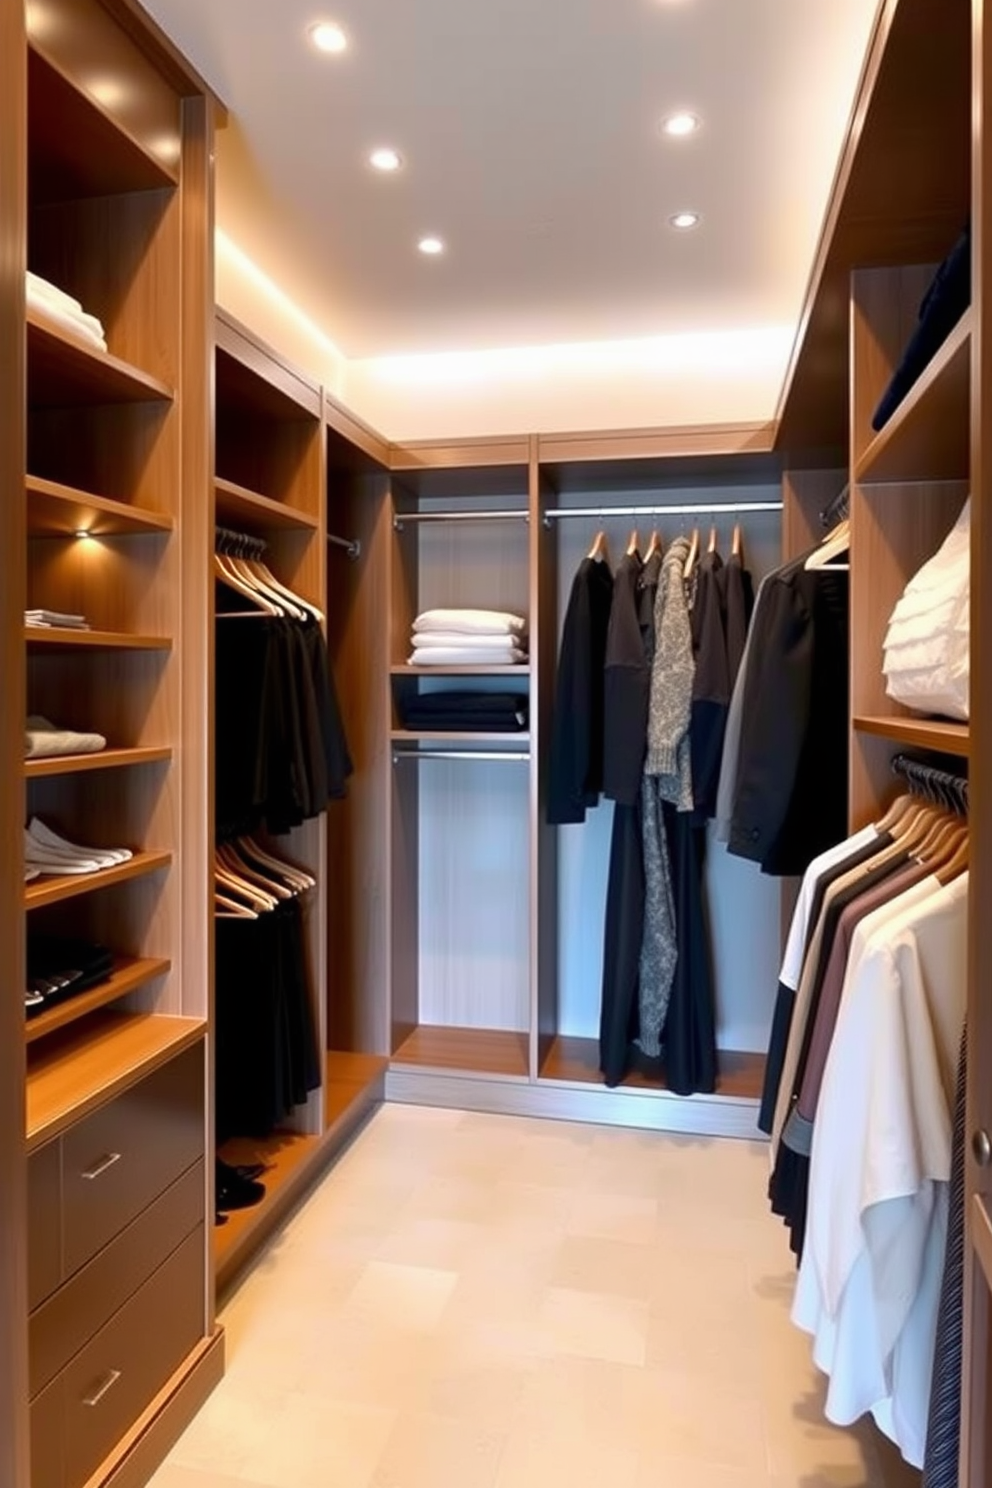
672, 672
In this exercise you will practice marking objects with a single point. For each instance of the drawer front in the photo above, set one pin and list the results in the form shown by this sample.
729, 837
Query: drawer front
44, 1222
118, 1374
123, 1156
48, 1438
69, 1319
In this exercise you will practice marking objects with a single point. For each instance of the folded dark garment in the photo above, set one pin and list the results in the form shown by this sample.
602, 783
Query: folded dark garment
469, 702
466, 723
943, 306
58, 969
466, 711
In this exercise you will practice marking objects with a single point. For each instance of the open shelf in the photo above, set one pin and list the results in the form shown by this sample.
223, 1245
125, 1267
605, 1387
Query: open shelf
106, 759
927, 438
61, 511
127, 976
436, 736
575, 1061
920, 733
52, 890
65, 371
94, 640
246, 510
471, 1050
92, 1061
347, 1078
405, 670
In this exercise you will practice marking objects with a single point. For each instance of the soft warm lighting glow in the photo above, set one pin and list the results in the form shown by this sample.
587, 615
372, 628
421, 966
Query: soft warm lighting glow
678, 126
109, 91
386, 160
82, 533
431, 246
249, 270
684, 220
327, 36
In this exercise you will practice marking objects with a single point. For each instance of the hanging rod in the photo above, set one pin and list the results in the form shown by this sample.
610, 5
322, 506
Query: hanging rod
460, 754
351, 545
838, 508
401, 518
698, 509
940, 787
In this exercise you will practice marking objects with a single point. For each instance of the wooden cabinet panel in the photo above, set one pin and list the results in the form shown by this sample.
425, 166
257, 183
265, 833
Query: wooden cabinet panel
123, 1156
44, 1223
48, 1438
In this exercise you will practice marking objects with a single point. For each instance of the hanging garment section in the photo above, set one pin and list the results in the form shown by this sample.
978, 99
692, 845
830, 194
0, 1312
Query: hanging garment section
859, 1100
648, 657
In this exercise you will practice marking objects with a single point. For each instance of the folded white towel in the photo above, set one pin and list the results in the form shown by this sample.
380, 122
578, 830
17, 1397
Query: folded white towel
42, 740
43, 839
451, 639
466, 656
471, 622
53, 617
44, 295
76, 321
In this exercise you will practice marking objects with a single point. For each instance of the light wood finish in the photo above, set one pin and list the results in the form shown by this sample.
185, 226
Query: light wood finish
106, 759
610, 451
55, 510
576, 1061
54, 888
470, 1050
246, 511
354, 433
64, 369
95, 640
127, 976
927, 437
919, 733
805, 494
75, 1072
258, 378
461, 455
885, 305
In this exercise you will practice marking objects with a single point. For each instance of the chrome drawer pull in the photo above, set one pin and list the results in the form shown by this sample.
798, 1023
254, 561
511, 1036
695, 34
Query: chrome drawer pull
103, 1389
101, 1167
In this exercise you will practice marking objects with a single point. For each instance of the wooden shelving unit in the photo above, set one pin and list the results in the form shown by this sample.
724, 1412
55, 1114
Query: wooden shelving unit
248, 511
53, 890
128, 975
107, 759
55, 510
93, 640
919, 733
65, 370
928, 435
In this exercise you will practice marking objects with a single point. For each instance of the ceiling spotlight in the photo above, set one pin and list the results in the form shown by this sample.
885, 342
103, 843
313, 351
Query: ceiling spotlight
684, 220
327, 36
679, 126
385, 160
431, 246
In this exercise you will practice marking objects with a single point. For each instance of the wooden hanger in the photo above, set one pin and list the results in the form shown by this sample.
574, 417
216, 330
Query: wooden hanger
896, 812
232, 860
713, 541
239, 886
599, 552
270, 580
633, 544
690, 562
834, 545
654, 546
229, 576
956, 865
288, 871
234, 911
253, 574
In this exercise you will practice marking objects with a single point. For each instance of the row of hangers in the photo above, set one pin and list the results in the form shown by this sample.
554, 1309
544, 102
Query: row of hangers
249, 881
600, 553
238, 563
933, 834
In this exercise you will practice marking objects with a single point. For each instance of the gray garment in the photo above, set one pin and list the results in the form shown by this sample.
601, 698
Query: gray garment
672, 673
727, 790
659, 945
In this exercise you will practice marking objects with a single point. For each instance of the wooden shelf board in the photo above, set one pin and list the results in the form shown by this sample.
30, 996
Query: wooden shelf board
251, 512
349, 1077
437, 736
107, 759
127, 976
90, 1062
94, 640
927, 438
920, 733
65, 371
52, 890
405, 670
61, 511
470, 1050
575, 1061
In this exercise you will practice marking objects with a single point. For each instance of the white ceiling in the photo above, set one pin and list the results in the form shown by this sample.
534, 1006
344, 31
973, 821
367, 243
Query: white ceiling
530, 134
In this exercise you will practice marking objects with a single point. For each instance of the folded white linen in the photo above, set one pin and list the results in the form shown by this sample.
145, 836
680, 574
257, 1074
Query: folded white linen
44, 838
449, 639
471, 622
44, 295
466, 656
53, 617
87, 327
42, 740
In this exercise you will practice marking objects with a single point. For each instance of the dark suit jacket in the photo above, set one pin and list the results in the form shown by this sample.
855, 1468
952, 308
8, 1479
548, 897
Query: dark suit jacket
577, 728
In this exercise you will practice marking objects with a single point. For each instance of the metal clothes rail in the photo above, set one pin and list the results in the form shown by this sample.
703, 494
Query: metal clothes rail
351, 545
515, 756
401, 519
940, 787
695, 509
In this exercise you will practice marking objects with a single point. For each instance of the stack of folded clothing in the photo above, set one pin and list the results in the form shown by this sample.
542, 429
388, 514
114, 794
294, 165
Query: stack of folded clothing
927, 648
42, 740
467, 712
46, 852
55, 305
469, 638
59, 969
943, 305
46, 618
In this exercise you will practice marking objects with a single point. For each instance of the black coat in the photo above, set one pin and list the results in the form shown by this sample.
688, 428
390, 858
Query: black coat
627, 689
711, 686
576, 769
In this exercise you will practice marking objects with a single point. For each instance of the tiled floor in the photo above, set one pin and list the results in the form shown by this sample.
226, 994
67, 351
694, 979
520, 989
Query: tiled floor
484, 1302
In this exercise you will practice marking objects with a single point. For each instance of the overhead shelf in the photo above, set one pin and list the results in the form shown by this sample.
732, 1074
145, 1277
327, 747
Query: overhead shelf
66, 371
93, 640
106, 759
927, 438
52, 889
920, 733
61, 511
127, 976
236, 506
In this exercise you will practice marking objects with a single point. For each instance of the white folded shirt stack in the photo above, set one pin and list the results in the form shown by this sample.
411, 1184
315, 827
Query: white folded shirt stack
42, 740
62, 310
469, 638
46, 619
927, 661
46, 852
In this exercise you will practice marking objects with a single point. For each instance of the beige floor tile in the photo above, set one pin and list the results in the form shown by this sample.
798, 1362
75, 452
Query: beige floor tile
593, 1325
406, 1298
611, 1216
656, 1471
324, 1443
441, 1244
621, 1267
705, 1420
430, 1451
560, 1459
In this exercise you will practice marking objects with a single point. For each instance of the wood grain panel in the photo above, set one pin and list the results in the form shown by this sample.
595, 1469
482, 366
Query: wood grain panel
247, 511
53, 889
885, 305
63, 369
927, 437
805, 494
919, 733
85, 764
55, 510
255, 378
127, 976
619, 448
470, 1050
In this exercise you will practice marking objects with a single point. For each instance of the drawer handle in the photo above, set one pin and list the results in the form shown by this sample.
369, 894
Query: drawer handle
104, 1388
99, 1168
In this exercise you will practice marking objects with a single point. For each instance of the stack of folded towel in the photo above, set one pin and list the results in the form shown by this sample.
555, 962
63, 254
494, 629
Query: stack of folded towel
55, 305
45, 619
46, 852
42, 740
469, 638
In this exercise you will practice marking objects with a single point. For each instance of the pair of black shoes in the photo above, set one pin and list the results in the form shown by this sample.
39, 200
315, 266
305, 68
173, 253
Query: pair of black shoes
237, 1187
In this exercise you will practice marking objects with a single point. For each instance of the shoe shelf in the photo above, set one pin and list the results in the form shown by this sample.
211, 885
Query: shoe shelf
128, 975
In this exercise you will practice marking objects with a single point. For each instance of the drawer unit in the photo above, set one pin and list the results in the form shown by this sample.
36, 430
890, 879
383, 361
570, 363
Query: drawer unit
69, 1319
98, 1397
115, 1162
44, 1222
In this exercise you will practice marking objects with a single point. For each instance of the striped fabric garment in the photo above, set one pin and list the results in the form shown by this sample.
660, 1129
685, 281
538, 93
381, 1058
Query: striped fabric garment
940, 1466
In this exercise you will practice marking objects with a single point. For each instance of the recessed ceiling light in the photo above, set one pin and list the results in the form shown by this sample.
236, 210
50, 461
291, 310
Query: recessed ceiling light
684, 220
431, 246
327, 36
678, 126
385, 160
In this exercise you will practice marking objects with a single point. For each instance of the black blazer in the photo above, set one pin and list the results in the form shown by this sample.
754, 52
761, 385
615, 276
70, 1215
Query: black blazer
576, 772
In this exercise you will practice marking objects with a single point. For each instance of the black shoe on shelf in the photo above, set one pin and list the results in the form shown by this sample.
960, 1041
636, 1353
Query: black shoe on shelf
235, 1191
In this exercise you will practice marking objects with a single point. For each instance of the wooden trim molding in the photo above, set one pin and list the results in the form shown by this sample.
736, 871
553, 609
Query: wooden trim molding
266, 362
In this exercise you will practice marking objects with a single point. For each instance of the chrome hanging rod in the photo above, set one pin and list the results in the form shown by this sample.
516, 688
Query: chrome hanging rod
351, 545
460, 754
401, 518
697, 509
